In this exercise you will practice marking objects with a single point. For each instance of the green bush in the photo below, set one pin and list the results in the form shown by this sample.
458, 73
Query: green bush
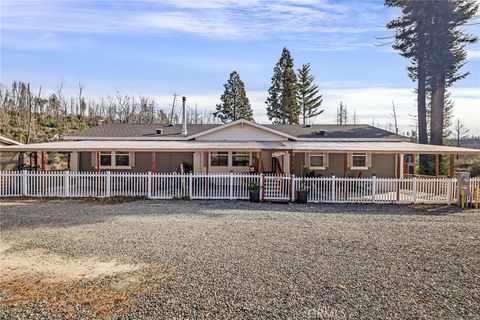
475, 168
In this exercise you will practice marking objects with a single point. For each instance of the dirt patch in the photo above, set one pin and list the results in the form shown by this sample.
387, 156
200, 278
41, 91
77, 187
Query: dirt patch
87, 288
51, 267
107, 297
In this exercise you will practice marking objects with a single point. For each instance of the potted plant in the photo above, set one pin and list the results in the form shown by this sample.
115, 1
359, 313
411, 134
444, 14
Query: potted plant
301, 194
254, 189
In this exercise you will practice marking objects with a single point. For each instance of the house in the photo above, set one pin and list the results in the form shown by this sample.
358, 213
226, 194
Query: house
241, 146
9, 161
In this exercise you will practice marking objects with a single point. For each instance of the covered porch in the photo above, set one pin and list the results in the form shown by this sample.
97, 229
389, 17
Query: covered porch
299, 158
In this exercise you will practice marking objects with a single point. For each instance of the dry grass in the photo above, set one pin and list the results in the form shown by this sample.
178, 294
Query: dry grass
105, 297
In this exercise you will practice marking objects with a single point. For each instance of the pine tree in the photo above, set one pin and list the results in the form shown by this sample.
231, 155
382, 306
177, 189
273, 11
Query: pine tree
427, 34
308, 97
446, 55
282, 106
235, 104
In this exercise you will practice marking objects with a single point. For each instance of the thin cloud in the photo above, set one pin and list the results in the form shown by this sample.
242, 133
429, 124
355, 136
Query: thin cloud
218, 19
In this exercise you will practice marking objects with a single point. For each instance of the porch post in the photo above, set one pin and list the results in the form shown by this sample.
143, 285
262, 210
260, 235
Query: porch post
292, 162
401, 165
98, 161
414, 163
206, 156
451, 167
43, 161
437, 162
154, 162
69, 157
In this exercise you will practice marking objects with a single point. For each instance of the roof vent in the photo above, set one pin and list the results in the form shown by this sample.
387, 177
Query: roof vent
307, 125
170, 125
159, 131
320, 133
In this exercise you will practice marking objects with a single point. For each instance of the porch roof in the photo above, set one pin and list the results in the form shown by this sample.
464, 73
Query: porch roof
297, 146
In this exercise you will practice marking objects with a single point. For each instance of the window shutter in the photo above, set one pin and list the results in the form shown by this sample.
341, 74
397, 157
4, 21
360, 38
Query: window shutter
349, 159
326, 157
94, 159
132, 159
369, 160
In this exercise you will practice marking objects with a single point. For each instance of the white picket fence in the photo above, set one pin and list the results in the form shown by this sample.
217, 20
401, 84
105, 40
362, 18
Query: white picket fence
228, 186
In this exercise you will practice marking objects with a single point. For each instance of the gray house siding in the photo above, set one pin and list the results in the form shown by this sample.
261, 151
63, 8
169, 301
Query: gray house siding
164, 162
171, 161
383, 165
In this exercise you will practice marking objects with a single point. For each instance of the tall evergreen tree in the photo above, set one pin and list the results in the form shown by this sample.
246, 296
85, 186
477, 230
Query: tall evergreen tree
411, 38
447, 55
282, 106
427, 33
235, 104
308, 97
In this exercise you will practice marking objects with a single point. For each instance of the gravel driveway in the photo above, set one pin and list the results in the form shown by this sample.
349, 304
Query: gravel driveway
213, 259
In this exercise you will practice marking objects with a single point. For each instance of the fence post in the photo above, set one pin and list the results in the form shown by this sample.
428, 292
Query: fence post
414, 190
24, 183
190, 185
374, 188
66, 183
231, 186
292, 181
149, 184
262, 187
449, 190
333, 189
107, 184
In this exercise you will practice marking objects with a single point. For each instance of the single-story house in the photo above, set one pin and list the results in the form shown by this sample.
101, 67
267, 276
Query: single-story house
241, 146
9, 161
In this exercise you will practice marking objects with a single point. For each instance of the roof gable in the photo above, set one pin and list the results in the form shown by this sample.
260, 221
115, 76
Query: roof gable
242, 130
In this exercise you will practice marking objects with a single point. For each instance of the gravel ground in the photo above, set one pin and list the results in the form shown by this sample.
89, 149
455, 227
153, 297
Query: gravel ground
213, 259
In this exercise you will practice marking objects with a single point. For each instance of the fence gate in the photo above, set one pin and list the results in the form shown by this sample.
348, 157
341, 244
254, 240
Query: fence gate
277, 187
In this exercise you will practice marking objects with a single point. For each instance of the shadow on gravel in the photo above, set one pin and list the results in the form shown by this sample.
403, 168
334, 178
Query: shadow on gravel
58, 213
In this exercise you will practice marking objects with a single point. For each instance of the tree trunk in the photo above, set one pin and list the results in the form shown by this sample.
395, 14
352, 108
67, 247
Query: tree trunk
436, 117
422, 104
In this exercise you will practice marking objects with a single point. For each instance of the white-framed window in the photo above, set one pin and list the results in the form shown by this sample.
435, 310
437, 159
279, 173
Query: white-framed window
240, 159
106, 159
359, 161
230, 159
219, 159
115, 160
317, 161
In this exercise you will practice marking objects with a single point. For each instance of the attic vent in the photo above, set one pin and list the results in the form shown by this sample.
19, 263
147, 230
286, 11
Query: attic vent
320, 132
159, 131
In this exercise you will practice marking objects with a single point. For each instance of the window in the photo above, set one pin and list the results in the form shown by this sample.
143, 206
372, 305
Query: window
317, 161
240, 159
359, 161
122, 159
219, 159
105, 159
114, 159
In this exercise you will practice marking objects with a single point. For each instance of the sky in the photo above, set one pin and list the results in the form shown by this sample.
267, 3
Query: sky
154, 48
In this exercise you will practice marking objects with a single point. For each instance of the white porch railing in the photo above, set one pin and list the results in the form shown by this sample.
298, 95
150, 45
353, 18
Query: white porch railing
228, 186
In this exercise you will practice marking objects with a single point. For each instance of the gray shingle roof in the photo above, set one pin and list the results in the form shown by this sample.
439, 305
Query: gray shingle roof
149, 131
333, 131
140, 130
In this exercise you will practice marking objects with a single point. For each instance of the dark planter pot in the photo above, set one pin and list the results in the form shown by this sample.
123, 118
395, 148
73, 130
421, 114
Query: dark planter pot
255, 196
301, 196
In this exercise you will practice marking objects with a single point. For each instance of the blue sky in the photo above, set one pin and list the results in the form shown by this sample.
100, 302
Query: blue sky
154, 48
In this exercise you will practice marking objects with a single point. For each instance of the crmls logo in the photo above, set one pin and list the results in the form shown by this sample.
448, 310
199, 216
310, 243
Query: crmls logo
326, 313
